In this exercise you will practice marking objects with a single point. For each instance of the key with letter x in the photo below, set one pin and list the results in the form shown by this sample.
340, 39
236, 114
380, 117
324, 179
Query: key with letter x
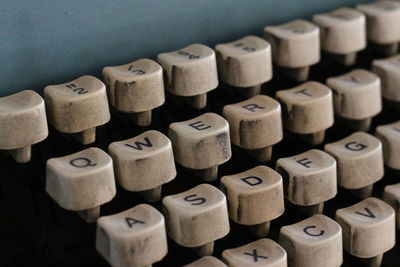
368, 229
135, 237
263, 252
316, 241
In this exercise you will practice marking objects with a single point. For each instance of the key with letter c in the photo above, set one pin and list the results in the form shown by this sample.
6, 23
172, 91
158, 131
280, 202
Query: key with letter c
197, 217
368, 229
23, 123
316, 241
135, 237
81, 182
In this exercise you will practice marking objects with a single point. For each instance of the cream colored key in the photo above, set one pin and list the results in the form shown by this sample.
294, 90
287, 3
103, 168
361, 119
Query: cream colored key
197, 217
343, 34
389, 135
263, 252
389, 71
135, 88
309, 179
307, 110
81, 182
356, 97
316, 241
191, 72
255, 198
201, 144
295, 47
245, 63
391, 195
144, 163
383, 19
78, 107
135, 237
23, 123
207, 261
359, 162
368, 229
255, 125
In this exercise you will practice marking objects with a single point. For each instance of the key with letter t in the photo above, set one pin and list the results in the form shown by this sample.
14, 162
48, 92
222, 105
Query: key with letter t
135, 237
135, 88
191, 72
255, 198
316, 241
144, 163
81, 182
197, 217
201, 144
263, 253
368, 229
309, 179
78, 107
22, 123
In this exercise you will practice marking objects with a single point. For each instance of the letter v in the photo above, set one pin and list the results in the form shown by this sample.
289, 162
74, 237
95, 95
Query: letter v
370, 214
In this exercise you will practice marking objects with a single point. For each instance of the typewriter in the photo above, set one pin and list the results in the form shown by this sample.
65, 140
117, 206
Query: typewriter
278, 147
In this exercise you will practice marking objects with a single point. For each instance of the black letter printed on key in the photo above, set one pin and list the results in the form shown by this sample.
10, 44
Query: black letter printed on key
194, 199
255, 255
138, 145
354, 146
252, 107
82, 163
131, 221
308, 232
252, 180
199, 125
305, 162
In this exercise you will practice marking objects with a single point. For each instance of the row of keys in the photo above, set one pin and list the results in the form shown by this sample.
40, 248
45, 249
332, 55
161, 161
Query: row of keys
138, 236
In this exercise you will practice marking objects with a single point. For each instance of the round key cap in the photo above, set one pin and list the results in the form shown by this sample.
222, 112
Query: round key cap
359, 162
316, 241
144, 163
135, 88
388, 70
368, 229
135, 237
255, 125
391, 195
23, 123
309, 179
197, 217
190, 72
356, 97
81, 181
343, 34
307, 110
78, 107
263, 252
295, 47
255, 198
389, 135
201, 144
383, 18
245, 63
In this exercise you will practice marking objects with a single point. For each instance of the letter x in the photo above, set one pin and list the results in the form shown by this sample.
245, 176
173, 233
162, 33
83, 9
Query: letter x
255, 256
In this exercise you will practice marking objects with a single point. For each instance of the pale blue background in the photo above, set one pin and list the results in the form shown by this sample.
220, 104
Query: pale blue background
48, 42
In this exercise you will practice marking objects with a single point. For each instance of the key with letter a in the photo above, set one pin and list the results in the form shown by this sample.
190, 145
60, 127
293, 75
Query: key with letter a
81, 182
309, 179
197, 217
255, 198
307, 110
135, 237
23, 123
263, 253
343, 34
295, 47
135, 88
78, 107
191, 72
144, 163
255, 125
389, 134
359, 162
356, 98
316, 241
368, 229
201, 144
245, 63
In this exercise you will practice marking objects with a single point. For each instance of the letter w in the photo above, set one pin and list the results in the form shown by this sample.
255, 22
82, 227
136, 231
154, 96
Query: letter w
138, 145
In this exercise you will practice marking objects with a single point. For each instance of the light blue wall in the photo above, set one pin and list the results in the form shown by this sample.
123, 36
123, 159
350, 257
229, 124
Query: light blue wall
53, 41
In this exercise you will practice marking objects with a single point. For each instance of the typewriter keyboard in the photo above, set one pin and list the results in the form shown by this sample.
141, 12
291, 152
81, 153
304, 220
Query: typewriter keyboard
275, 150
